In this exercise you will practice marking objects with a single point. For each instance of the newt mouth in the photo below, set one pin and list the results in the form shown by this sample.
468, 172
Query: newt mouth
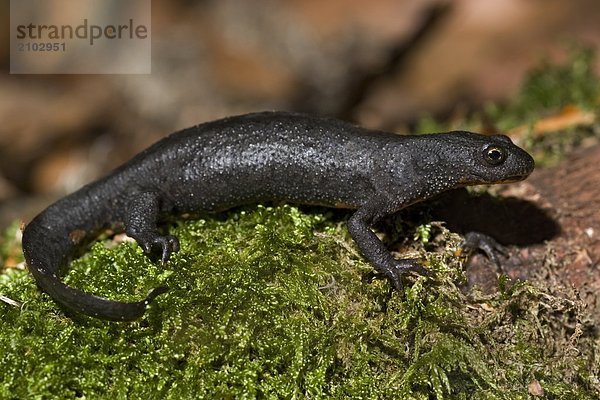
514, 178
479, 180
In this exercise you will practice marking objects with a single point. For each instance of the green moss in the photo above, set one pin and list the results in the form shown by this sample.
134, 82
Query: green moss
277, 303
550, 87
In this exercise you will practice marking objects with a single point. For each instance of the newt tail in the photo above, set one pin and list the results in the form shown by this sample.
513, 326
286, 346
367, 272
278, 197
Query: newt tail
51, 232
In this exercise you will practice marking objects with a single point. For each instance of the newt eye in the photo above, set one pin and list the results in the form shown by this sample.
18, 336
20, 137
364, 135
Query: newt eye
494, 155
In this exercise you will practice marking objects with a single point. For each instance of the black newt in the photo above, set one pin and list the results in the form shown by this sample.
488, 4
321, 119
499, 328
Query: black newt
259, 157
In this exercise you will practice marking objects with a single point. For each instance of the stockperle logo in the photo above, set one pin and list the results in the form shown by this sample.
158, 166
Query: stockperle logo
80, 37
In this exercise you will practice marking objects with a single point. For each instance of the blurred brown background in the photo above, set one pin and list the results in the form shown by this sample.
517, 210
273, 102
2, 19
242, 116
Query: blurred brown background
382, 64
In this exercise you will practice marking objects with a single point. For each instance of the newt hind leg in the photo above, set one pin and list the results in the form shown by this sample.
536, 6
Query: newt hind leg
141, 224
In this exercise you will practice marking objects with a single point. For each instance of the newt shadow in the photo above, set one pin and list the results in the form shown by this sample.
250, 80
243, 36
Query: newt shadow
509, 220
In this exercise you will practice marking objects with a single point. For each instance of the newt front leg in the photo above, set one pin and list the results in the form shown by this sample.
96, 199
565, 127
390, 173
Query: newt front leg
375, 251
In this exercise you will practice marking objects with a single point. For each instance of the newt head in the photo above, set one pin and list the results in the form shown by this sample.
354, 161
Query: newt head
479, 159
